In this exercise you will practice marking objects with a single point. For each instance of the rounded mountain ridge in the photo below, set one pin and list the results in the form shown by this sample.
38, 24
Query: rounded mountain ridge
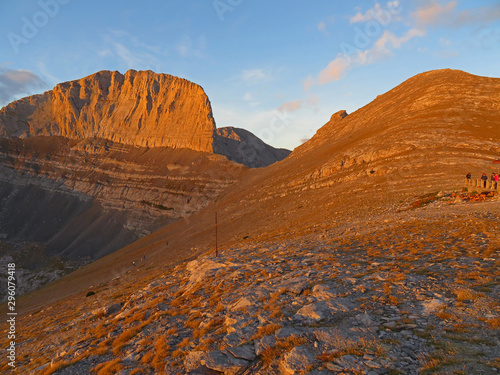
426, 105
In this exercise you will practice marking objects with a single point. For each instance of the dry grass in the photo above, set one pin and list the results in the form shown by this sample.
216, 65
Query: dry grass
212, 325
437, 360
162, 351
148, 357
138, 370
219, 308
466, 294
172, 331
55, 367
139, 316
125, 336
205, 344
266, 330
358, 350
184, 343
178, 353
282, 346
108, 368
193, 321
493, 322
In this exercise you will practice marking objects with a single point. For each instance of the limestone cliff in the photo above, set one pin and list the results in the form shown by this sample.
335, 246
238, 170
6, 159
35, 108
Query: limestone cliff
139, 108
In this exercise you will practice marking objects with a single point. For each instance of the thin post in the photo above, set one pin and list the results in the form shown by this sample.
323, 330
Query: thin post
216, 248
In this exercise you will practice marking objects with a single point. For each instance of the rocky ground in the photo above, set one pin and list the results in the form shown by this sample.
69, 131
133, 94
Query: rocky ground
411, 292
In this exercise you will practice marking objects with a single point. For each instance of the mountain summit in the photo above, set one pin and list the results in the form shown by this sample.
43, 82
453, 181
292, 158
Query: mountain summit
142, 109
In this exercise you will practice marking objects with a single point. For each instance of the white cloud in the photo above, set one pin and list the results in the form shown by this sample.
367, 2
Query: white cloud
380, 50
335, 70
389, 13
479, 16
389, 42
444, 42
309, 82
434, 13
17, 83
130, 58
253, 75
249, 97
292, 106
186, 47
128, 48
367, 16
323, 28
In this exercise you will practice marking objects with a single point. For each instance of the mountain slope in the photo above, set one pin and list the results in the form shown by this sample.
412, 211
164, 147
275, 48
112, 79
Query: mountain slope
325, 240
361, 165
96, 163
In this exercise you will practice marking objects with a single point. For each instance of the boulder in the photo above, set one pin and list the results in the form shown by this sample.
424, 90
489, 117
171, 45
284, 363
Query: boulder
242, 303
245, 352
323, 293
297, 361
108, 310
323, 310
264, 343
432, 305
223, 362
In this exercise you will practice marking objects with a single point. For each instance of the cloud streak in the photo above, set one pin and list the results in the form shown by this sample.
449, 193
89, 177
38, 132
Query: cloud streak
447, 15
295, 105
130, 50
382, 48
17, 83
253, 75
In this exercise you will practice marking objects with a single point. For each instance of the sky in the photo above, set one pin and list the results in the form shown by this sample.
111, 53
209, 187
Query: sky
278, 68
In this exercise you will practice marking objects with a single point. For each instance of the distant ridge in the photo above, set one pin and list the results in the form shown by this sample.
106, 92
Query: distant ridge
243, 147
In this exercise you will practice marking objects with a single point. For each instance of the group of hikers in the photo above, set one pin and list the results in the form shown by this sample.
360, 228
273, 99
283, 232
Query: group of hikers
494, 179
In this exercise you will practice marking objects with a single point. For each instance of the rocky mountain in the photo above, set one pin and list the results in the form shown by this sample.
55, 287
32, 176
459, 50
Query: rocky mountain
358, 253
141, 109
96, 163
243, 147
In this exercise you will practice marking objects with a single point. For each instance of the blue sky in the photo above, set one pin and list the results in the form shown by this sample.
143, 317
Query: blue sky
277, 68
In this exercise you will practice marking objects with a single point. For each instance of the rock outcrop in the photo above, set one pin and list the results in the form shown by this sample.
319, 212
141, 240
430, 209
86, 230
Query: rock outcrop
142, 109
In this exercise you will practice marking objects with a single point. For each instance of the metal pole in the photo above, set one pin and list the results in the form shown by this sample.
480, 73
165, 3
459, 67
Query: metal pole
216, 248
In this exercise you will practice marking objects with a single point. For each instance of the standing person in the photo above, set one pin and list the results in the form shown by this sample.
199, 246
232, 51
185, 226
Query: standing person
496, 178
484, 177
468, 177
